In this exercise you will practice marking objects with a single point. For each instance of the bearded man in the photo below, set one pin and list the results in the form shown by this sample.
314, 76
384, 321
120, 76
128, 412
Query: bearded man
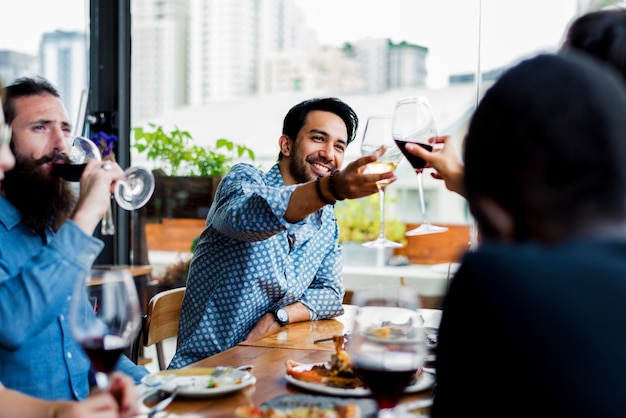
46, 245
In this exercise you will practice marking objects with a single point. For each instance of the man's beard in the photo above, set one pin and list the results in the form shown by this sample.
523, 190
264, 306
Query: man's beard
301, 172
44, 200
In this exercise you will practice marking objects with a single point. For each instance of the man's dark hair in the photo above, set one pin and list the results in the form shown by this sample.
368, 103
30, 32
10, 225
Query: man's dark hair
548, 144
296, 117
25, 86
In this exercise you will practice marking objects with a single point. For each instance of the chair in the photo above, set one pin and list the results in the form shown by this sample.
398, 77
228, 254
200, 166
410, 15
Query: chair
161, 321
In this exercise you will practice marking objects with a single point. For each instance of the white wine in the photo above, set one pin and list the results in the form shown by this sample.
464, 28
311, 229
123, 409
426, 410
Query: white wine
379, 167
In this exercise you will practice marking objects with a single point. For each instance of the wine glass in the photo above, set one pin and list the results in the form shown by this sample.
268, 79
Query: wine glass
131, 191
413, 121
377, 140
387, 344
104, 317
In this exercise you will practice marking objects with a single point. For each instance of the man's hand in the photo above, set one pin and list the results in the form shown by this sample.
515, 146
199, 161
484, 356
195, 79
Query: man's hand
96, 185
266, 324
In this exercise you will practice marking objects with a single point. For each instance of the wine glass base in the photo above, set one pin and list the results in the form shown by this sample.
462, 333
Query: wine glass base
382, 243
424, 229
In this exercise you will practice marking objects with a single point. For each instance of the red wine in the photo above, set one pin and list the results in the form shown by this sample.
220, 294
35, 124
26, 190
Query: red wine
387, 386
104, 351
69, 172
416, 162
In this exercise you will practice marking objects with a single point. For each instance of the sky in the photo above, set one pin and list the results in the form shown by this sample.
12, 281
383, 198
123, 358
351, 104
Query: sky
448, 28
512, 29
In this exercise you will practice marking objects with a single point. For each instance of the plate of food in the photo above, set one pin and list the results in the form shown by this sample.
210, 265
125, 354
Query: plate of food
201, 382
337, 377
309, 406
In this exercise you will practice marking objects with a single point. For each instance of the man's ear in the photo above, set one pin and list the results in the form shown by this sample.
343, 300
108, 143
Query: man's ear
285, 145
494, 219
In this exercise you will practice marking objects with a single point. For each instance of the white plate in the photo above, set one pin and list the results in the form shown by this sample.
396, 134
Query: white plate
196, 385
425, 381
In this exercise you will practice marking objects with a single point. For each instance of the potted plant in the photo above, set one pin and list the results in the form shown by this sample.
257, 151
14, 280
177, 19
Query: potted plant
189, 173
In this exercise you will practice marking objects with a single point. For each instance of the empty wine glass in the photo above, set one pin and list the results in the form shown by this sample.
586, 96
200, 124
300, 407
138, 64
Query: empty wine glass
104, 317
377, 139
413, 122
387, 344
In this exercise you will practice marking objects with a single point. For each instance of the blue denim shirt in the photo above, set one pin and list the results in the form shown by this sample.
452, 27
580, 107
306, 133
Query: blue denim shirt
250, 261
38, 355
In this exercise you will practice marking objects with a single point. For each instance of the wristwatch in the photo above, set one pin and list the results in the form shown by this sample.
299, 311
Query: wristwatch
281, 316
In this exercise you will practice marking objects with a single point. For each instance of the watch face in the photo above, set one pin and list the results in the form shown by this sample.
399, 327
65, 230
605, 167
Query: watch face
282, 316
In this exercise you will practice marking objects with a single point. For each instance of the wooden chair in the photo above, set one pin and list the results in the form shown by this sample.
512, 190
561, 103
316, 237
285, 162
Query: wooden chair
161, 321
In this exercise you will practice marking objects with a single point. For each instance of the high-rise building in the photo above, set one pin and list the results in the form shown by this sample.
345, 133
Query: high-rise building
159, 82
385, 65
63, 60
228, 39
16, 64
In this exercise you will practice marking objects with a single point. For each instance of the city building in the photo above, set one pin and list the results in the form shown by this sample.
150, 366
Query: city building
16, 64
64, 61
160, 56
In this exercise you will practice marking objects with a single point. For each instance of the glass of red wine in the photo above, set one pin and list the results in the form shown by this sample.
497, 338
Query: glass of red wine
387, 343
105, 317
131, 191
413, 121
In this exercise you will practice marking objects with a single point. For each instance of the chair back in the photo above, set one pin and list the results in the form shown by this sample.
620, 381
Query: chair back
161, 319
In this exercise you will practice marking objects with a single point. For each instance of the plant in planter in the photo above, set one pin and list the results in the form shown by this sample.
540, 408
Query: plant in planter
188, 174
178, 156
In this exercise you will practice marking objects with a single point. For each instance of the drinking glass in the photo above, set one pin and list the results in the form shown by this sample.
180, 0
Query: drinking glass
104, 317
377, 139
413, 121
387, 344
131, 191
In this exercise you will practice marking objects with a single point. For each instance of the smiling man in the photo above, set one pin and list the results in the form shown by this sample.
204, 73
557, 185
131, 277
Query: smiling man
269, 254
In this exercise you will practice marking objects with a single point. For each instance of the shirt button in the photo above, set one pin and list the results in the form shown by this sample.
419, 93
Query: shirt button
69, 354
62, 317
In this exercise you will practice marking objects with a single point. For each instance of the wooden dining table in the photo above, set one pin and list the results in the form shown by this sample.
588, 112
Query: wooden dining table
267, 355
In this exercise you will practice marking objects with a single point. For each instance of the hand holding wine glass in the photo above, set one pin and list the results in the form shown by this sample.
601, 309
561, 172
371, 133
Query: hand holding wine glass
377, 139
413, 122
387, 344
132, 191
105, 317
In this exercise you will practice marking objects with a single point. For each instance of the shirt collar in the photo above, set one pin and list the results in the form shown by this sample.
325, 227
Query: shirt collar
9, 215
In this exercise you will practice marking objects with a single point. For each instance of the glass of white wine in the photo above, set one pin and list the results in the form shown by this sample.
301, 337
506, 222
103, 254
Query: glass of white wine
378, 140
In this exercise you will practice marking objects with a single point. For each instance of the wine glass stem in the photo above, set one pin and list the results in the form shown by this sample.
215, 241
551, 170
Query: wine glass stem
420, 188
102, 381
381, 195
108, 226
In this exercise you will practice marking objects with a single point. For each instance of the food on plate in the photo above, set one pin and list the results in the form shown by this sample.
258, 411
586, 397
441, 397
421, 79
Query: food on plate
349, 410
392, 331
338, 372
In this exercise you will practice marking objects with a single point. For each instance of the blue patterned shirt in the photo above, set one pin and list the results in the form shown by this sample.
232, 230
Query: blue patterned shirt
250, 261
38, 355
